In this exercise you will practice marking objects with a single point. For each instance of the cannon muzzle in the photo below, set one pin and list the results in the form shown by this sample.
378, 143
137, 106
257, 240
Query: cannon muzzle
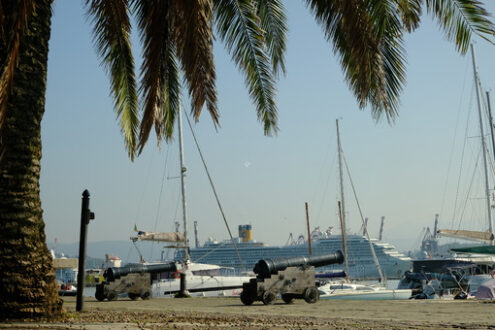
266, 267
114, 273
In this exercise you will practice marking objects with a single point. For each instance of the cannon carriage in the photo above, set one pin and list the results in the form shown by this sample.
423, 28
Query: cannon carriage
134, 280
291, 278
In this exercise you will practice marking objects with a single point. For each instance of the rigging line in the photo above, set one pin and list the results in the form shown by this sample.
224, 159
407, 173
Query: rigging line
177, 205
129, 253
215, 192
378, 267
139, 251
144, 188
159, 201
488, 124
462, 160
420, 237
323, 170
468, 191
490, 160
210, 252
455, 136
323, 197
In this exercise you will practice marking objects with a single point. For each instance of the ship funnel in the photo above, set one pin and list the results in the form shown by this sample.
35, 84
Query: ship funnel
246, 233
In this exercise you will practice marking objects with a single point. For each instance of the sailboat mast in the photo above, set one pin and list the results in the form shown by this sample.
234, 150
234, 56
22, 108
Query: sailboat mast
341, 203
183, 170
341, 176
490, 119
483, 142
344, 248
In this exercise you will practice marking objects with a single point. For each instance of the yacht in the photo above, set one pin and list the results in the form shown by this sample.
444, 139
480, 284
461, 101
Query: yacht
203, 280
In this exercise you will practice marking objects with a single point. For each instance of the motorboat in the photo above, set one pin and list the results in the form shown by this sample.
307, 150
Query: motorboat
355, 291
203, 280
67, 289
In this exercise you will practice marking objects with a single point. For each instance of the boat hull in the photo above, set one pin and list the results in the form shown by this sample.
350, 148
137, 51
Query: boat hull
369, 295
201, 286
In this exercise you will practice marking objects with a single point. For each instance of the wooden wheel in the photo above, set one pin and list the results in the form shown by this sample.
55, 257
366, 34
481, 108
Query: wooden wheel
268, 297
311, 295
247, 298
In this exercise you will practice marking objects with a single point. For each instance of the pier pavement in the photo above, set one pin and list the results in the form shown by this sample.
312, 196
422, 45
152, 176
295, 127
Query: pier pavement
209, 313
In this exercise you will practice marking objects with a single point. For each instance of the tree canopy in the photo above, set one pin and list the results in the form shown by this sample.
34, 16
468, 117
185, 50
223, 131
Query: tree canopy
177, 38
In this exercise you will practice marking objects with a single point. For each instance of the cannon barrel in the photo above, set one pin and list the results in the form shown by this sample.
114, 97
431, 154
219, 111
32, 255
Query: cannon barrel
113, 273
266, 267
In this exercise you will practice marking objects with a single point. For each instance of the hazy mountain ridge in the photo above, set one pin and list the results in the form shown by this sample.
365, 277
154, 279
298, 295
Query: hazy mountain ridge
125, 250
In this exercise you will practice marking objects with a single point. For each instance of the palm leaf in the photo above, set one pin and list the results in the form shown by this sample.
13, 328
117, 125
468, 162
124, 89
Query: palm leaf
367, 38
274, 24
160, 83
460, 18
239, 27
390, 57
410, 13
194, 39
13, 21
111, 31
170, 95
2, 23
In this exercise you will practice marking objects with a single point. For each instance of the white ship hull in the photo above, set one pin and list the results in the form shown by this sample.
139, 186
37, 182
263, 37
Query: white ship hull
201, 286
361, 264
369, 295
353, 291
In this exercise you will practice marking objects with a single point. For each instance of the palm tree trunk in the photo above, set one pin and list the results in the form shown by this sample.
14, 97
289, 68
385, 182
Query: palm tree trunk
27, 278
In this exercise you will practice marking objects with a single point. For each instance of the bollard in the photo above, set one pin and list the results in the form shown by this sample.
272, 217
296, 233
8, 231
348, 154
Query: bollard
86, 216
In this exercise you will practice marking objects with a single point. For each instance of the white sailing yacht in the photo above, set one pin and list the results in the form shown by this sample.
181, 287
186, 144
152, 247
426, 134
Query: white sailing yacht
484, 236
346, 289
197, 279
467, 267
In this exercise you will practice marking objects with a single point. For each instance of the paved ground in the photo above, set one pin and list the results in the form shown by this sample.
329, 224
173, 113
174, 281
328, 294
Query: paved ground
205, 313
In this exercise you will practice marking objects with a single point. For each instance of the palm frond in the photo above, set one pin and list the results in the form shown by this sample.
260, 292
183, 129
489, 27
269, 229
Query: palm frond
14, 19
194, 39
391, 59
460, 18
239, 27
410, 13
2, 23
170, 93
160, 83
274, 24
111, 32
367, 38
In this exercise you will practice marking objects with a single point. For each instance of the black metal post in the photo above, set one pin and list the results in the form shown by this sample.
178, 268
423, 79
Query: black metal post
183, 293
86, 215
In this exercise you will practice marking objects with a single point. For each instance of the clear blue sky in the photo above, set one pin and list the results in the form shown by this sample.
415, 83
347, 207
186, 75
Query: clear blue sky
399, 171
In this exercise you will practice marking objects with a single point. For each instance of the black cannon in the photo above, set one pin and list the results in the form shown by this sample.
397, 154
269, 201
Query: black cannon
135, 280
111, 274
292, 278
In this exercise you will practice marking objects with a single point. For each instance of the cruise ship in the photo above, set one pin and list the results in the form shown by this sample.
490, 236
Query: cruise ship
360, 259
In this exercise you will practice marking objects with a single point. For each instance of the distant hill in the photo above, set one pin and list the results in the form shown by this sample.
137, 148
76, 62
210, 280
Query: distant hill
125, 250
